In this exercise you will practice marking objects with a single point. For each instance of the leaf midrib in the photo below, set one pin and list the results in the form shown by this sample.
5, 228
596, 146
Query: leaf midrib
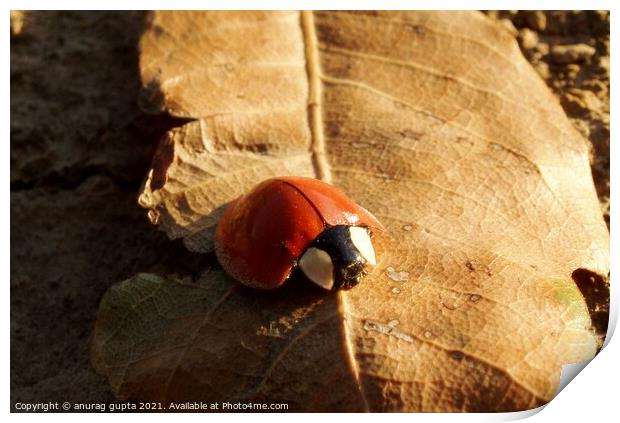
321, 167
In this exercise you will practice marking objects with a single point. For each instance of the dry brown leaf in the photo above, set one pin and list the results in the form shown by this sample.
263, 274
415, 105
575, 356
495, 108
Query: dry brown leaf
431, 120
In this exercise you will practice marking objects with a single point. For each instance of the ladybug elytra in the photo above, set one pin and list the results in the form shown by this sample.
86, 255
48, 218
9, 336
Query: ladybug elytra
290, 223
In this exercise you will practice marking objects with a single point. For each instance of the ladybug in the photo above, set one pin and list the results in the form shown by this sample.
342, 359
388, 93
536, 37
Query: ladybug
290, 223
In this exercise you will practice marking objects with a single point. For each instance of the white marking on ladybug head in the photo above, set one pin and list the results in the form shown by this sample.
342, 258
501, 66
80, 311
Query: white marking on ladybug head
361, 240
318, 267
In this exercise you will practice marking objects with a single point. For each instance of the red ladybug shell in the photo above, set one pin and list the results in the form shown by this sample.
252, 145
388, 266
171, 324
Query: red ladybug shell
262, 234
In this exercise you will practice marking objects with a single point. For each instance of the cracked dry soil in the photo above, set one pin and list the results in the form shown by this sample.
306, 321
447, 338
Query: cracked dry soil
80, 147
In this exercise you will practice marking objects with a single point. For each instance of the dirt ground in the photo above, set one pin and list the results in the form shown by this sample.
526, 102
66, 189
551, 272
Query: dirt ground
80, 147
570, 51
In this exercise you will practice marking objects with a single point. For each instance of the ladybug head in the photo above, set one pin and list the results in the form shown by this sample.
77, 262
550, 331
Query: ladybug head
338, 258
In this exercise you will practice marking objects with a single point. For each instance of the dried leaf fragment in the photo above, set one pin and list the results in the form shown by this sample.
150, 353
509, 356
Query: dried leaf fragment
431, 120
